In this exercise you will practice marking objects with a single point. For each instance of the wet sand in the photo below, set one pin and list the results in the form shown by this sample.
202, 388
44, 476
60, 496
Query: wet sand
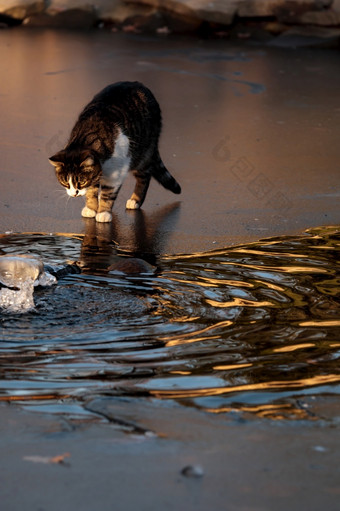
251, 134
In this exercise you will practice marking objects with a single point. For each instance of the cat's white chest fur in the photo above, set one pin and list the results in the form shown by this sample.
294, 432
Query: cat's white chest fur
115, 168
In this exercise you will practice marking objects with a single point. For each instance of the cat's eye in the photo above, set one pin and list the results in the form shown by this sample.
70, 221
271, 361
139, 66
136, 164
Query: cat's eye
64, 181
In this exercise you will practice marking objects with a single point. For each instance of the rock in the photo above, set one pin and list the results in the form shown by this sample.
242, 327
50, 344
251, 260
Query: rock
129, 13
73, 18
218, 11
328, 17
8, 21
143, 22
317, 12
281, 9
164, 16
192, 471
20, 9
308, 37
131, 266
112, 11
58, 6
224, 12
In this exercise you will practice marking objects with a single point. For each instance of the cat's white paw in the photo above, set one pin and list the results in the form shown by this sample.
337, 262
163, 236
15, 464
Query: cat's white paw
132, 204
88, 213
104, 216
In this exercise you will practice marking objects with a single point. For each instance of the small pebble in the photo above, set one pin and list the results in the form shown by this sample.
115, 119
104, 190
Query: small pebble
320, 448
192, 471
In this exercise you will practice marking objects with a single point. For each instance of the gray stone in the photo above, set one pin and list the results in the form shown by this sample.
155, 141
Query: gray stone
192, 471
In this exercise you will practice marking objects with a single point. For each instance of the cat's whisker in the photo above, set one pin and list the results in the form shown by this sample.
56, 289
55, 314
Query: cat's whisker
58, 192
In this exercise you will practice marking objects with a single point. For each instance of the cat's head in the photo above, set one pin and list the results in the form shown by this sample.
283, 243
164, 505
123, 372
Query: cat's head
76, 170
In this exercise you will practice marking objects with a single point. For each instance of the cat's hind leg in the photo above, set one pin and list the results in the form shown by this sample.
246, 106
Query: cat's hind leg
108, 195
142, 184
91, 206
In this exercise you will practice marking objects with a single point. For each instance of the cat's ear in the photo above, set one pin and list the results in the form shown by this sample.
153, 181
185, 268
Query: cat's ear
87, 160
57, 160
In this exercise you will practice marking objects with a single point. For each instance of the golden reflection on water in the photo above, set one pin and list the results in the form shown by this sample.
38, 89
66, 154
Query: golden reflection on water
272, 411
320, 322
263, 386
278, 269
231, 367
208, 282
183, 373
262, 252
287, 349
240, 302
195, 336
34, 397
249, 329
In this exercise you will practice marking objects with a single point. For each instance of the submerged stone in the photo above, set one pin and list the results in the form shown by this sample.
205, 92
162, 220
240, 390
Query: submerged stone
131, 266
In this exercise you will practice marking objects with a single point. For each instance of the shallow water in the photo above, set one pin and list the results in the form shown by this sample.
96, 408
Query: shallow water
253, 328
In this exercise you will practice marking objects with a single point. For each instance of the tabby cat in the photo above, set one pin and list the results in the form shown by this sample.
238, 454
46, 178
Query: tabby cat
116, 132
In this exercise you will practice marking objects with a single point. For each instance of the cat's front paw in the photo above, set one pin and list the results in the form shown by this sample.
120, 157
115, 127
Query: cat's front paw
88, 212
132, 204
104, 216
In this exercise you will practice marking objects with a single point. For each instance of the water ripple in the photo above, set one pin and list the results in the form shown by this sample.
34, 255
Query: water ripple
253, 328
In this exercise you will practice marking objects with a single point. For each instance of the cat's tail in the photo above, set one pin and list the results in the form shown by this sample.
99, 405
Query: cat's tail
163, 176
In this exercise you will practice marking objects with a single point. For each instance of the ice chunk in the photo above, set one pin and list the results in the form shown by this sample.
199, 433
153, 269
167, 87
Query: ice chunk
19, 274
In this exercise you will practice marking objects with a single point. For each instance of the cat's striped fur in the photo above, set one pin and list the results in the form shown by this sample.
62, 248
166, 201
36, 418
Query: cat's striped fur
117, 132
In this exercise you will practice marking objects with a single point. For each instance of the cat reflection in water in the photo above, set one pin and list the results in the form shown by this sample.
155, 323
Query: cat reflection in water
117, 132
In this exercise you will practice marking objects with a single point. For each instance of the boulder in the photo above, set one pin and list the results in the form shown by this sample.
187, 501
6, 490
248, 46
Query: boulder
72, 18
218, 11
56, 6
165, 16
308, 37
327, 17
283, 10
20, 9
116, 11
223, 12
